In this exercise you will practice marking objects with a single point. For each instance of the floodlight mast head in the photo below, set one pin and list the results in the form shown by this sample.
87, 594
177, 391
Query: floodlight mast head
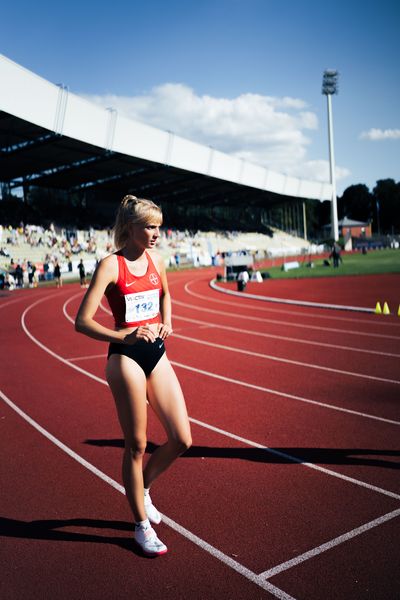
330, 82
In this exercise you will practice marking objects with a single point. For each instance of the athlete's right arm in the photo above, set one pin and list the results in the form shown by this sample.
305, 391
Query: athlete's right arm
106, 273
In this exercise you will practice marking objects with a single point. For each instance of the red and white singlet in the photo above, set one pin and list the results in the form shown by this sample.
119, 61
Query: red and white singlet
135, 301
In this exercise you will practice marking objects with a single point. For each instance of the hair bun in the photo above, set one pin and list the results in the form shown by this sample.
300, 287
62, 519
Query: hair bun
128, 198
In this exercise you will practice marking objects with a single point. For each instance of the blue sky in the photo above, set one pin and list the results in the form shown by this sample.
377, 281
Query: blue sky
241, 75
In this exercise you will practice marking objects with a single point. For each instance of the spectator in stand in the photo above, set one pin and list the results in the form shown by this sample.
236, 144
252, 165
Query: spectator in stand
31, 272
19, 275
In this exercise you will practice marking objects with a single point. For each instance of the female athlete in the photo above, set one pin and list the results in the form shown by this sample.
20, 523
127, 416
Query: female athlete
134, 282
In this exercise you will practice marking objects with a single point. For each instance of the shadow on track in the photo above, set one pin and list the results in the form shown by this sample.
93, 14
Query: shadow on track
50, 530
326, 456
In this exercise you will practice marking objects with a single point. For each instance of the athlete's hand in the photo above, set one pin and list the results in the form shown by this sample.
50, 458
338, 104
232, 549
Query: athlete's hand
144, 332
164, 331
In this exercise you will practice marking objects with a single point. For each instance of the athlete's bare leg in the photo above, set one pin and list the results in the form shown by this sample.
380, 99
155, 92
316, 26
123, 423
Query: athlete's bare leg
128, 385
166, 398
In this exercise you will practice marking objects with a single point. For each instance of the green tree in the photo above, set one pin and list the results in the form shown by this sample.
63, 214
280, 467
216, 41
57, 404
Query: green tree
387, 205
356, 203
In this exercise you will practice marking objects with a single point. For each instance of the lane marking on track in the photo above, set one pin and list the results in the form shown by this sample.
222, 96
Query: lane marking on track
272, 336
287, 324
227, 560
243, 383
221, 431
288, 360
309, 304
297, 460
260, 578
328, 545
297, 313
26, 297
258, 388
270, 357
285, 338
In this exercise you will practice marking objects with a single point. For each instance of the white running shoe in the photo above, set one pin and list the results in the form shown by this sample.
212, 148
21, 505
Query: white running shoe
148, 541
152, 513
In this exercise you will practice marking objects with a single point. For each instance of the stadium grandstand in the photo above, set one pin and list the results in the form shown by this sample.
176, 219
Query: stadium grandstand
67, 162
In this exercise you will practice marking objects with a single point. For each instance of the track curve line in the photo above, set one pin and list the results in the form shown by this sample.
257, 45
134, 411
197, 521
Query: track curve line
227, 560
281, 322
269, 309
278, 359
217, 288
242, 383
286, 338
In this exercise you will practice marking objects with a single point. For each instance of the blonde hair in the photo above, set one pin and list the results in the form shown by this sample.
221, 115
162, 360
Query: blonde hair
134, 210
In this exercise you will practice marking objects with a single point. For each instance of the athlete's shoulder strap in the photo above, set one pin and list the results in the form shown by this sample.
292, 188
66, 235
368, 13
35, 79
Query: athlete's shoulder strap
151, 263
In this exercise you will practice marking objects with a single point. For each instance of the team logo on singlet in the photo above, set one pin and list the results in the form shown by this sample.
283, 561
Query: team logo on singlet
153, 278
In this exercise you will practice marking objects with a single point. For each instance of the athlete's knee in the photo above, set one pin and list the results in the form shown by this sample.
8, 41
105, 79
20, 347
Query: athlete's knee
136, 448
182, 443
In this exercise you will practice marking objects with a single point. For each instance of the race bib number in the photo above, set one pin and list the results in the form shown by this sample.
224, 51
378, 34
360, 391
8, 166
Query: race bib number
142, 306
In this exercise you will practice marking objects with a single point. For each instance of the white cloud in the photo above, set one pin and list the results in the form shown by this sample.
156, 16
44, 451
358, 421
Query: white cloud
380, 134
318, 170
265, 130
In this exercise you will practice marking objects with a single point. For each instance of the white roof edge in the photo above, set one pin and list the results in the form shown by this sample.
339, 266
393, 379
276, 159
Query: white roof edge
28, 96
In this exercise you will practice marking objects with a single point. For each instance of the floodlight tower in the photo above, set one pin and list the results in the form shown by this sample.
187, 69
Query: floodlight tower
329, 87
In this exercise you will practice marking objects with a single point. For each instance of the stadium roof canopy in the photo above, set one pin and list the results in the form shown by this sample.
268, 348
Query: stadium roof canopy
52, 138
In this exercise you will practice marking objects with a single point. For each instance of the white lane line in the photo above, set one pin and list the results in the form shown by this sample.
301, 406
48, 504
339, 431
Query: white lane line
287, 324
297, 313
259, 388
284, 337
91, 357
295, 459
288, 360
238, 382
46, 349
309, 342
222, 290
297, 340
24, 297
329, 545
226, 433
5, 304
275, 591
233, 564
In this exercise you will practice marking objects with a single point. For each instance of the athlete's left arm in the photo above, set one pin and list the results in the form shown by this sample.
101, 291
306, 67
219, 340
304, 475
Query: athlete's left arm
165, 301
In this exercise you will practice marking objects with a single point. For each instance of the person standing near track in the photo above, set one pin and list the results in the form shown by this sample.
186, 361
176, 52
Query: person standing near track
82, 273
57, 274
135, 284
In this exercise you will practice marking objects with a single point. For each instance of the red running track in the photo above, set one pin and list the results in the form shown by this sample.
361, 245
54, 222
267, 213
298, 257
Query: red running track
291, 488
